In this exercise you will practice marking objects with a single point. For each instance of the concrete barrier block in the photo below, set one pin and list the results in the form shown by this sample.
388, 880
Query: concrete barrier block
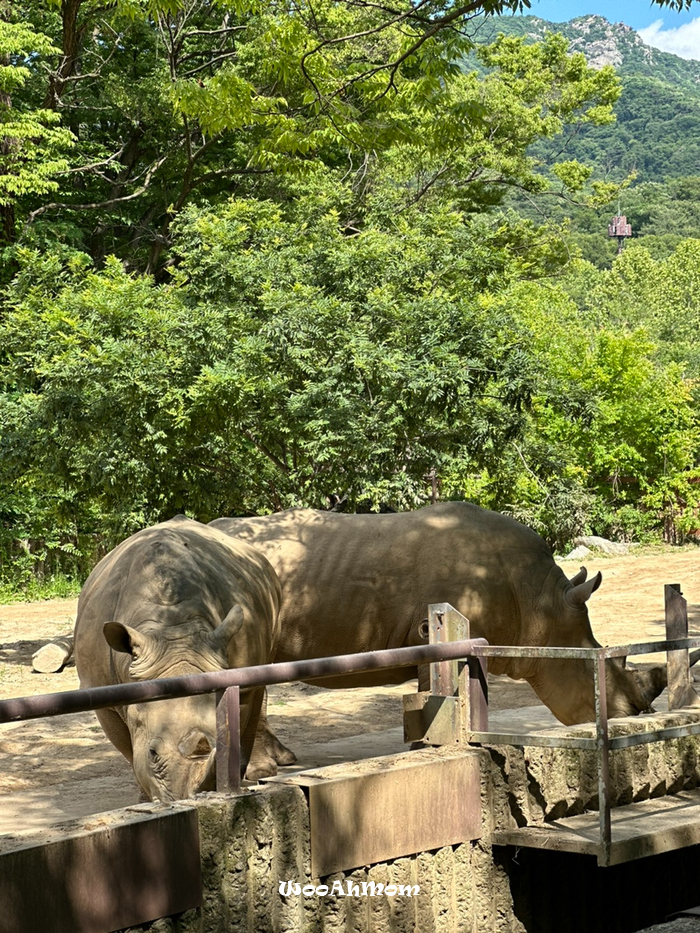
105, 872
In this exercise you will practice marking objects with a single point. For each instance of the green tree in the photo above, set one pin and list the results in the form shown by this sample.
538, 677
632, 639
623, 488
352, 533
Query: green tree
612, 436
660, 295
175, 103
286, 363
32, 145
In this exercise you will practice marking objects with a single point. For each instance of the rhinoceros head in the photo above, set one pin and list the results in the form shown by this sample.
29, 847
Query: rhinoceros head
569, 684
174, 741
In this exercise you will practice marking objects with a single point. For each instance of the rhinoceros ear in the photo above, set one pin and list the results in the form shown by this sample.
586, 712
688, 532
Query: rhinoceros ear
124, 638
223, 633
578, 595
579, 577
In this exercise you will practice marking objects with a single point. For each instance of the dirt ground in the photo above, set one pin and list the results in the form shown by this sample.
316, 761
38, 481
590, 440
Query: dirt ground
52, 753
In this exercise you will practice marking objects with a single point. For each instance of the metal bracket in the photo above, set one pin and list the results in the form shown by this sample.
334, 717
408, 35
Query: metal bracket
457, 703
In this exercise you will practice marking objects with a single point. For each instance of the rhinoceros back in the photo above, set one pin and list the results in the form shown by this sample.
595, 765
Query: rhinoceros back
364, 582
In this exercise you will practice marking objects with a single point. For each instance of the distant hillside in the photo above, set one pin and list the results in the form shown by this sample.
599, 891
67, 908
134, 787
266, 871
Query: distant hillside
603, 43
658, 115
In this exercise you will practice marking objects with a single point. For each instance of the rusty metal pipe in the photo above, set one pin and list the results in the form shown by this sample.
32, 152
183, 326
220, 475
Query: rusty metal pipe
92, 698
618, 651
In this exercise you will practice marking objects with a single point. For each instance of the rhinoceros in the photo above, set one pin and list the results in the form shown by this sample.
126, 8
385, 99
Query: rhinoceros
364, 582
178, 598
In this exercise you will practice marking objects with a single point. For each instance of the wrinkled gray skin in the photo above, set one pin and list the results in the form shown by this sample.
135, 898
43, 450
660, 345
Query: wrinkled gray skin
364, 582
179, 598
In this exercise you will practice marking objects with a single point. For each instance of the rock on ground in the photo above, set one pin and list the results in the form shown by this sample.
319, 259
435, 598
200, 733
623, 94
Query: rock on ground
602, 544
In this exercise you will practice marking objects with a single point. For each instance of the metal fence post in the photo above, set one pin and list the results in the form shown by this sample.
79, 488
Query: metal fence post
443, 626
228, 740
464, 679
676, 615
603, 753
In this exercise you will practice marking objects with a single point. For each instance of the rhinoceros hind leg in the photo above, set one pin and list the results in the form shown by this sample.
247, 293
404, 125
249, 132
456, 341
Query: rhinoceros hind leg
280, 752
260, 766
266, 739
268, 753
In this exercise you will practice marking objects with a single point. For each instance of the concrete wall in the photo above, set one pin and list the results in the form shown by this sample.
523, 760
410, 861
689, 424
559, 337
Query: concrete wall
251, 842
534, 785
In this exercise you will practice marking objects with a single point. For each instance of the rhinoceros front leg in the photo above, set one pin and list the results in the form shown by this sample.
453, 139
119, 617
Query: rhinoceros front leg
268, 751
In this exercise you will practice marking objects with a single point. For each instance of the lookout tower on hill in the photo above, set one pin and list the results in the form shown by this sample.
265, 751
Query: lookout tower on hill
618, 227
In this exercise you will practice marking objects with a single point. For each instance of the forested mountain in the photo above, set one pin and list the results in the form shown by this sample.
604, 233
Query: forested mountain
657, 132
653, 145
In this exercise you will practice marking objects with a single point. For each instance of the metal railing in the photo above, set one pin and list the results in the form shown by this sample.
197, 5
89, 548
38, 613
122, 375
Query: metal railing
226, 684
602, 744
469, 722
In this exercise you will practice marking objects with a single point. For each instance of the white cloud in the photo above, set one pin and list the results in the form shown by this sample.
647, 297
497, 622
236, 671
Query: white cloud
683, 41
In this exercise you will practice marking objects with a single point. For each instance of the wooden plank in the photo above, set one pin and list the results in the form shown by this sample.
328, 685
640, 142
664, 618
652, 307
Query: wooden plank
639, 830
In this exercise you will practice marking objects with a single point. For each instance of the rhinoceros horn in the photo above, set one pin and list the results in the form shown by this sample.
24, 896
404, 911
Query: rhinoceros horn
579, 577
580, 592
221, 636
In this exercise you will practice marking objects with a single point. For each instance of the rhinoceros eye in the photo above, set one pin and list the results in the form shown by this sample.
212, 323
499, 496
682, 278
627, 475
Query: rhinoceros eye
157, 762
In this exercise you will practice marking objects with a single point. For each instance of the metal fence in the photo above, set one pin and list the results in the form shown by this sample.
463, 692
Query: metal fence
226, 684
675, 645
462, 685
602, 744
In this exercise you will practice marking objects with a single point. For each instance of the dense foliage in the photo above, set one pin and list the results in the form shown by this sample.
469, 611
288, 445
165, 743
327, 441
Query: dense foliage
257, 257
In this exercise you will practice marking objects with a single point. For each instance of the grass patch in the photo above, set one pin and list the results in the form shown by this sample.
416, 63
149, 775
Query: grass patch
33, 590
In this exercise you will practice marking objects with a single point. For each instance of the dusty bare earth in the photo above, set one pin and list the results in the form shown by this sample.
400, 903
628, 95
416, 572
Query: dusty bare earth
42, 760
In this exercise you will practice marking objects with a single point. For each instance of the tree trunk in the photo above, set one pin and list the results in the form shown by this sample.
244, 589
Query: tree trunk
52, 658
72, 37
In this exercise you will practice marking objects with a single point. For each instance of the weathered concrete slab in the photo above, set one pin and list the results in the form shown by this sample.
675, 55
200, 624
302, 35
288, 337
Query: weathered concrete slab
110, 872
387, 808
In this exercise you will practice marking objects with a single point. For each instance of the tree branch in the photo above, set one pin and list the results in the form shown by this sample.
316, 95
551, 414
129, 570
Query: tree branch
96, 205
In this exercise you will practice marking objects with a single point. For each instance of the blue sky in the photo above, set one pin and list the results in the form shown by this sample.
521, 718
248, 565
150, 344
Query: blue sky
673, 32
